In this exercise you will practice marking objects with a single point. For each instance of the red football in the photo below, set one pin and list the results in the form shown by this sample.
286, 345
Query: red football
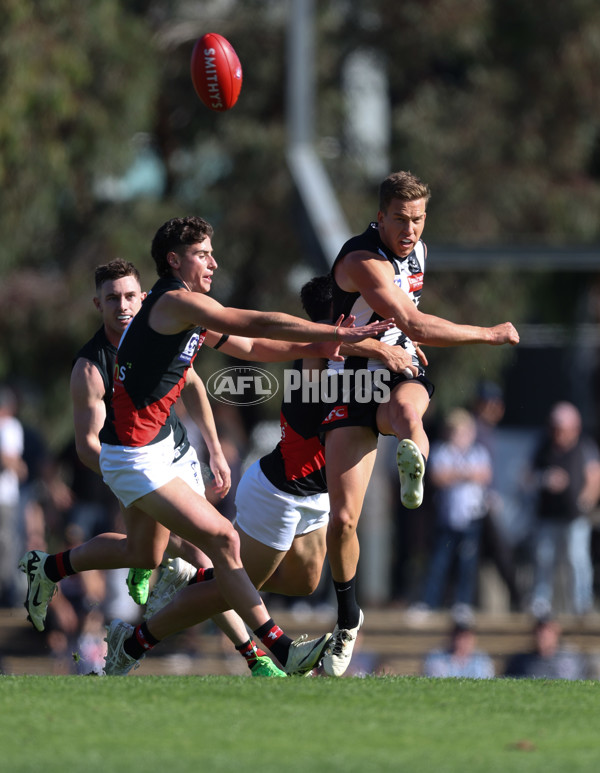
216, 72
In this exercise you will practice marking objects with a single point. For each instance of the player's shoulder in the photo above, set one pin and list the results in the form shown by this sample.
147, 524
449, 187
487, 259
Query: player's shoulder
96, 349
84, 364
367, 241
93, 363
88, 380
366, 248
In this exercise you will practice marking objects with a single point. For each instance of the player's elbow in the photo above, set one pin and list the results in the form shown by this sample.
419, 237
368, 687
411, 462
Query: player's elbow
89, 456
414, 328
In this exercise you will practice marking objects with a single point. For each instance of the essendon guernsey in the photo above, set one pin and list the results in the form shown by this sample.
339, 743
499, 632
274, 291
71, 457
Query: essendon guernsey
149, 375
297, 464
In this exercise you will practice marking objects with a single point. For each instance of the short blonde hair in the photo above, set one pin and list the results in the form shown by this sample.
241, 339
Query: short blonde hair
404, 186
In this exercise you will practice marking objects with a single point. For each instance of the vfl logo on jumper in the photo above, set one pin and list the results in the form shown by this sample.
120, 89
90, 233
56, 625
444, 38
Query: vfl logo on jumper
242, 386
191, 348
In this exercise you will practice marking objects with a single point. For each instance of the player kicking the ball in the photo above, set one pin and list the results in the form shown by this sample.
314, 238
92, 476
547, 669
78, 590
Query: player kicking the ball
377, 274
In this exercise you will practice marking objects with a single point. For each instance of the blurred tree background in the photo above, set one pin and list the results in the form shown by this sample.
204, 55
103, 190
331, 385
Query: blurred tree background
493, 102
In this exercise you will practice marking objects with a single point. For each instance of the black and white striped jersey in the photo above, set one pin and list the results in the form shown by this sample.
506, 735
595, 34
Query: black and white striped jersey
408, 276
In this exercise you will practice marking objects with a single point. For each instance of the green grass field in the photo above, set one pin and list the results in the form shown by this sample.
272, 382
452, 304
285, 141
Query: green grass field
155, 723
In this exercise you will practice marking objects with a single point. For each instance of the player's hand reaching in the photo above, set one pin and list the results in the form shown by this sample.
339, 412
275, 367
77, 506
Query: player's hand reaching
345, 332
331, 349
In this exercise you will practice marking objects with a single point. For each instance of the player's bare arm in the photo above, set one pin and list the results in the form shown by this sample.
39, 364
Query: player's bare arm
374, 276
259, 349
180, 309
271, 350
199, 409
89, 411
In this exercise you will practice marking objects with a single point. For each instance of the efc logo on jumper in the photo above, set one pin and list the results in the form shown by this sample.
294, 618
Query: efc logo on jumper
339, 412
242, 386
192, 346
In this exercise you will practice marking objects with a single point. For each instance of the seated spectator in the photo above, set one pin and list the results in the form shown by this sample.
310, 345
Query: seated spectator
460, 658
548, 659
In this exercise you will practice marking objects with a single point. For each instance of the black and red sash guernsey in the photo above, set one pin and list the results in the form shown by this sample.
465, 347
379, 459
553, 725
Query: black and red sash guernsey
149, 375
103, 354
297, 464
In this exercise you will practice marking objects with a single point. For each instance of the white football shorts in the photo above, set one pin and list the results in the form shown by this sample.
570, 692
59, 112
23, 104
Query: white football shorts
274, 517
133, 472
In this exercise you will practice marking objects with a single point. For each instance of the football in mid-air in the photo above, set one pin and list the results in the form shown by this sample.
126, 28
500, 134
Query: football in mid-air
216, 72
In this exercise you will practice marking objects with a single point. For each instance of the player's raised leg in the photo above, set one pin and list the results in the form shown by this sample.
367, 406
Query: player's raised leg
402, 416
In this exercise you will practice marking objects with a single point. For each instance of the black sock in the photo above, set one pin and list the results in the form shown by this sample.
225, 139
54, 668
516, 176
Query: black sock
348, 609
250, 652
58, 566
140, 641
274, 639
203, 575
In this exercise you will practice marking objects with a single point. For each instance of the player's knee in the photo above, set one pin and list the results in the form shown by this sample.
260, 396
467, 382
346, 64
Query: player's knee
227, 542
406, 418
342, 525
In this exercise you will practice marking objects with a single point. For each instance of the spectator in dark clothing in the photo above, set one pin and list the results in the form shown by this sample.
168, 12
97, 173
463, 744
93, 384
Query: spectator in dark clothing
566, 475
548, 659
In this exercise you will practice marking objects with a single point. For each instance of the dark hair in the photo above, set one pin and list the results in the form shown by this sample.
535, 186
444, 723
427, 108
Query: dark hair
116, 269
462, 627
175, 233
489, 390
404, 186
316, 296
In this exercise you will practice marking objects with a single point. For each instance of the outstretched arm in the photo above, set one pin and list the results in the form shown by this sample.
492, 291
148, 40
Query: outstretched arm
372, 277
259, 349
180, 309
268, 350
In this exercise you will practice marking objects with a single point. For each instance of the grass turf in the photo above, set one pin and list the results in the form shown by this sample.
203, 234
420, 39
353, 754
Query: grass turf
155, 723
